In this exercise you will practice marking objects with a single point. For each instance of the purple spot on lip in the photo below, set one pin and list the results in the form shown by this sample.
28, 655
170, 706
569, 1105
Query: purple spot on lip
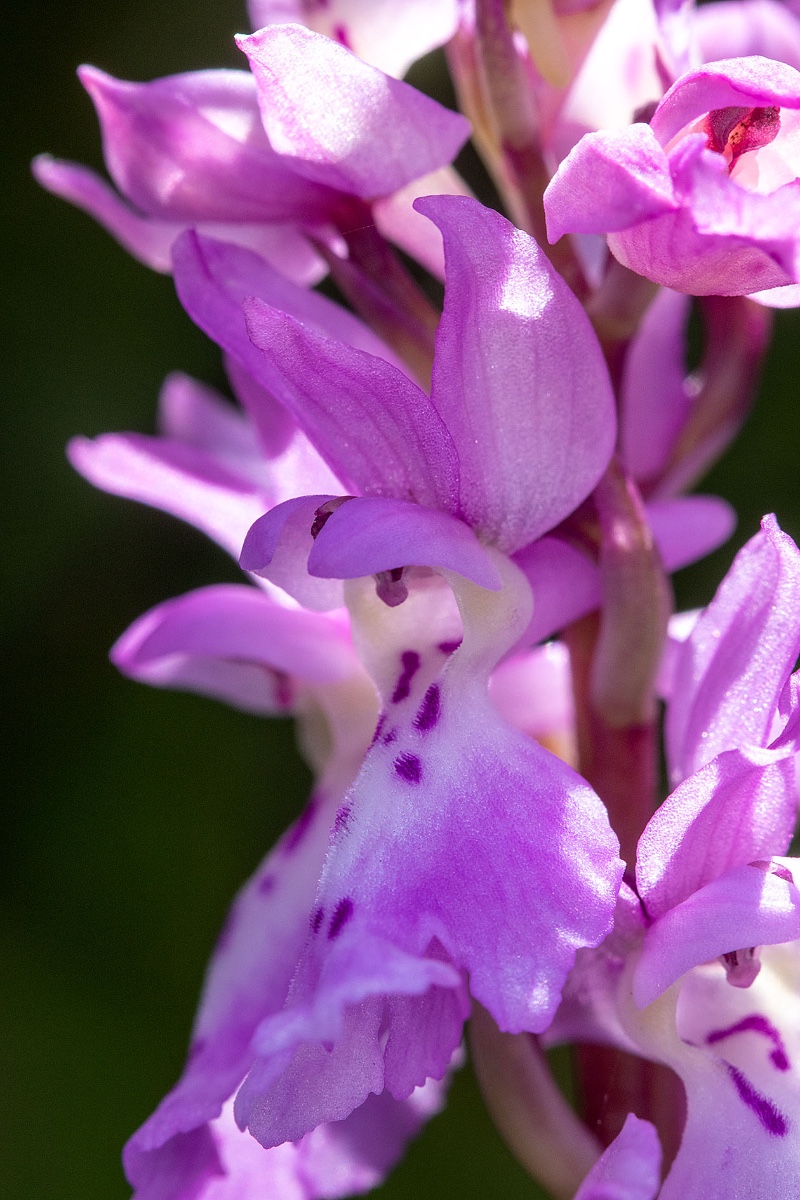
430, 709
408, 767
755, 1023
449, 647
341, 915
770, 1117
378, 728
297, 832
410, 662
390, 737
340, 35
316, 919
266, 885
342, 819
197, 1047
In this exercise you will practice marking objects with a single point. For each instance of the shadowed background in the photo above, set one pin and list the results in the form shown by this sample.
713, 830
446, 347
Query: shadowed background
133, 814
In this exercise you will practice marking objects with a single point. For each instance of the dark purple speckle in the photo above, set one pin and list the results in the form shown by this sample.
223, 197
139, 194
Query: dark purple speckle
410, 664
340, 35
378, 728
316, 919
341, 915
408, 767
430, 710
390, 737
266, 885
342, 819
770, 1117
297, 832
197, 1047
449, 647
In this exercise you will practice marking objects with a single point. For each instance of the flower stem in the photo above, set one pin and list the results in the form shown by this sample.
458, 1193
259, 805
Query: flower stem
528, 1109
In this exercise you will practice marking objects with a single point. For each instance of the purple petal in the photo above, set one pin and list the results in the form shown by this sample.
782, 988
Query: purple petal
191, 148
747, 906
376, 429
338, 1062
630, 1169
723, 239
655, 397
533, 692
370, 534
383, 33
219, 1162
566, 581
738, 808
398, 220
342, 123
610, 181
236, 644
735, 82
196, 415
275, 427
184, 1168
689, 527
277, 547
212, 279
146, 239
462, 847
239, 274
732, 668
176, 478
150, 239
518, 377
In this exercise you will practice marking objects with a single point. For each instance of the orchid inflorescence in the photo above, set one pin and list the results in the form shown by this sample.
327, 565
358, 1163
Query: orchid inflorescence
457, 524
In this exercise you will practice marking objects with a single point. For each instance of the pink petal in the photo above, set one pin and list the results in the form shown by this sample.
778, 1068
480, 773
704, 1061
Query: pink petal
236, 644
176, 478
371, 534
190, 148
610, 181
399, 221
376, 429
145, 238
630, 1169
750, 82
732, 668
655, 397
150, 239
342, 123
518, 377
277, 547
739, 807
746, 906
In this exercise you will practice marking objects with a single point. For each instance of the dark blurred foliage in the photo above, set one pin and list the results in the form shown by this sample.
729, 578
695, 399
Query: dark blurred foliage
132, 815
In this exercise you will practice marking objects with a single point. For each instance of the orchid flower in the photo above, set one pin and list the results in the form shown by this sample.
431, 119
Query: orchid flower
400, 918
266, 158
702, 970
704, 198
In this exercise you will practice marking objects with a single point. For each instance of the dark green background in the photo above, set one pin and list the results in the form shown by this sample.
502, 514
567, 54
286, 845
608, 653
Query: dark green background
132, 814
